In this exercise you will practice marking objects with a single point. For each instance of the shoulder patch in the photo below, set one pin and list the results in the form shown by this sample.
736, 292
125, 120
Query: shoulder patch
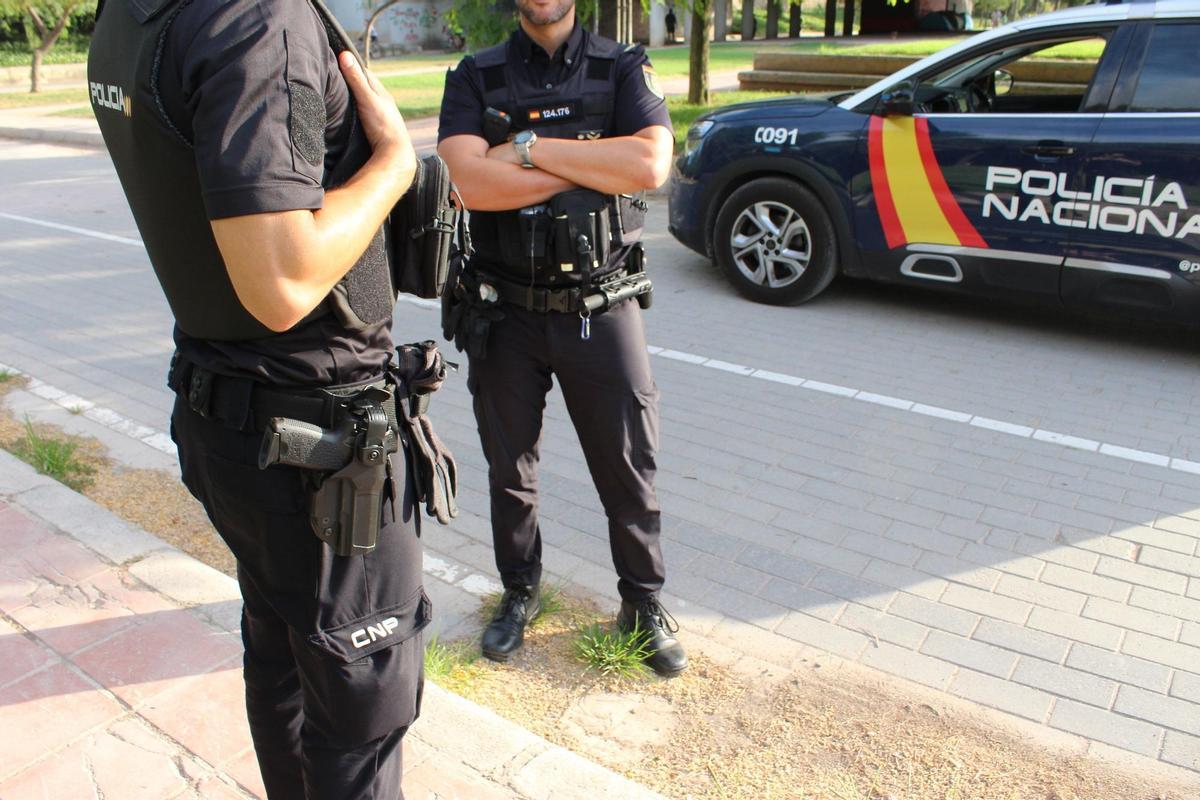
652, 81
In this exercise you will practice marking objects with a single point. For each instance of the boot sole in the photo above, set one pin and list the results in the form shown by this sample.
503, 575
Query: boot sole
492, 655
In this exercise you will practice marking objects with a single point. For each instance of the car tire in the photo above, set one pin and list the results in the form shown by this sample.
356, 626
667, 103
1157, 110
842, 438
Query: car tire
775, 242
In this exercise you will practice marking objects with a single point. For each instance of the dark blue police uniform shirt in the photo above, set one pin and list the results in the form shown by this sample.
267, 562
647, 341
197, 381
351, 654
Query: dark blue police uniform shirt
255, 88
635, 106
230, 72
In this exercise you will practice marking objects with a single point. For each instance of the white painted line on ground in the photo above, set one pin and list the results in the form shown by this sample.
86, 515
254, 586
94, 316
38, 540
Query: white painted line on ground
884, 400
156, 438
940, 413
1135, 455
1001, 426
108, 237
1066, 441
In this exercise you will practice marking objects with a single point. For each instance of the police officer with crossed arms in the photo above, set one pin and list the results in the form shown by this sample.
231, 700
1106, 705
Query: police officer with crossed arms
259, 164
551, 137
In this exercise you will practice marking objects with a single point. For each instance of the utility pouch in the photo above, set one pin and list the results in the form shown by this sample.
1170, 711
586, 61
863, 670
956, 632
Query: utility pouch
421, 231
580, 212
536, 226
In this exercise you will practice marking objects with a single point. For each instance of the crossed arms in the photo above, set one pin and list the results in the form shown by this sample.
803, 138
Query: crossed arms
492, 178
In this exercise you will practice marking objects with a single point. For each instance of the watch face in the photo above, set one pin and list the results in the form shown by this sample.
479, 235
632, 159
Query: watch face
523, 137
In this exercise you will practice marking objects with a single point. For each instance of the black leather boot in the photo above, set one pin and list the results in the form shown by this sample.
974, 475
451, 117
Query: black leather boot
666, 655
505, 634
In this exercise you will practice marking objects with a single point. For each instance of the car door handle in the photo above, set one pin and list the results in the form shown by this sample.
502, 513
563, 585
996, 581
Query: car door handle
1049, 149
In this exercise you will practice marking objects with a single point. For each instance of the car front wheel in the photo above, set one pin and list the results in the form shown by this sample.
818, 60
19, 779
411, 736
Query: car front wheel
775, 242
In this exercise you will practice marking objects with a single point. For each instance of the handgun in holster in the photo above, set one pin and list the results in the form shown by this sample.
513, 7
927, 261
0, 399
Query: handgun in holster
353, 455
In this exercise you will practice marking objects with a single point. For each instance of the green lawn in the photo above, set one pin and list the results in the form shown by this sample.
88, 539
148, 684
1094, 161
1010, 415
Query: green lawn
43, 98
12, 56
417, 95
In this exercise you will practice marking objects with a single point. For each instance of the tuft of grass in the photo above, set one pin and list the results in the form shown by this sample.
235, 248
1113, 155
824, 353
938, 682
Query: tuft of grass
553, 603
7, 375
57, 458
612, 652
452, 666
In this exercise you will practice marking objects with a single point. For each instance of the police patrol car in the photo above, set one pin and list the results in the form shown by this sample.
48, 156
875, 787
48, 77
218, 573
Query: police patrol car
979, 169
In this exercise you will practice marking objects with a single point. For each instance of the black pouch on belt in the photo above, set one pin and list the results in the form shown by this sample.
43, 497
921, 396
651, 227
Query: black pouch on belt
421, 231
580, 212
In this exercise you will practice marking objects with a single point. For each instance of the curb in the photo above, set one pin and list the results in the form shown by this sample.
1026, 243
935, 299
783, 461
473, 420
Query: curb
522, 763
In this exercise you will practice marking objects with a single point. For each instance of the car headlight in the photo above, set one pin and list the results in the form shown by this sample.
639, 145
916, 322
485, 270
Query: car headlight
695, 135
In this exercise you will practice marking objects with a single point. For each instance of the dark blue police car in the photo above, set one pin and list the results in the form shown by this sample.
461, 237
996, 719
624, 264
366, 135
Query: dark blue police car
975, 170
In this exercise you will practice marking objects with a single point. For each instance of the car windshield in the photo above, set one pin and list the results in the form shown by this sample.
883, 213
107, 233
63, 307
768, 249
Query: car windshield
1081, 51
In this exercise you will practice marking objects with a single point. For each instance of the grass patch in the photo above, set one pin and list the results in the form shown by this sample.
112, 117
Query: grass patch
452, 666
612, 652
417, 95
57, 458
7, 375
43, 98
12, 56
82, 111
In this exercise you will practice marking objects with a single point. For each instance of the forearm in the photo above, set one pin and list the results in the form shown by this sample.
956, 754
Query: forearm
490, 185
630, 163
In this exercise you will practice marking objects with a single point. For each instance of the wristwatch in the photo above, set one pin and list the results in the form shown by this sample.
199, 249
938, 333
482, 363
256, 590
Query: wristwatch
521, 143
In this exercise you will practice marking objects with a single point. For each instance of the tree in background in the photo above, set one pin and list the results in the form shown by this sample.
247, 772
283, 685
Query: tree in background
698, 46
50, 19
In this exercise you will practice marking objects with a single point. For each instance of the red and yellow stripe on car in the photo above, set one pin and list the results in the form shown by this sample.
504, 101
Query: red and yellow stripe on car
914, 202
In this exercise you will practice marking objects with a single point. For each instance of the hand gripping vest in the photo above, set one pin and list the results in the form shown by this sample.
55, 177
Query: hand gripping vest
156, 166
581, 107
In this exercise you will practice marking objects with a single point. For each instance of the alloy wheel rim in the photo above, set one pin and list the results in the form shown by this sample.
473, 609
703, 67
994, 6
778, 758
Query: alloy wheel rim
771, 244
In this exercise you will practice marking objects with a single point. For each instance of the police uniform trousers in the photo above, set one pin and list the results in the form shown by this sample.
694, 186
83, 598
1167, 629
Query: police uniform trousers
324, 726
613, 402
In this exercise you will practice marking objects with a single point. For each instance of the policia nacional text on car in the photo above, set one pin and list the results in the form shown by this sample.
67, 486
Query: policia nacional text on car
260, 163
550, 138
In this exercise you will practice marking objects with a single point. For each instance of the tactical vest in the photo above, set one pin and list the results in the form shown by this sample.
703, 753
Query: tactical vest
580, 107
155, 163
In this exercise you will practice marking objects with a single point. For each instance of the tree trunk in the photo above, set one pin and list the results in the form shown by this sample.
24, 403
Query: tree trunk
772, 19
34, 74
848, 19
747, 20
366, 54
830, 17
698, 54
794, 21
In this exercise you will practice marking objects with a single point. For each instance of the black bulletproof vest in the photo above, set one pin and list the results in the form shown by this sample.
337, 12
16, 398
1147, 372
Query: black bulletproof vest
580, 107
157, 169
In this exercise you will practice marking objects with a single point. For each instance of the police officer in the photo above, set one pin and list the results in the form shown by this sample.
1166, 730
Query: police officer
548, 137
259, 165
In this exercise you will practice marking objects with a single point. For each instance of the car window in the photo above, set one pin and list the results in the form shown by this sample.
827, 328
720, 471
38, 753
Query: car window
1049, 76
1170, 76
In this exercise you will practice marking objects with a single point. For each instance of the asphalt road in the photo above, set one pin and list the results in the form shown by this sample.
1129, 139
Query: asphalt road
994, 500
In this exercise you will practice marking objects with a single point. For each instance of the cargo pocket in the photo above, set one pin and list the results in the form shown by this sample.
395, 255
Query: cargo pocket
363, 679
643, 424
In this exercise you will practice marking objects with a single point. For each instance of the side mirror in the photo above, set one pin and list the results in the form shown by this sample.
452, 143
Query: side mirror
897, 101
1002, 80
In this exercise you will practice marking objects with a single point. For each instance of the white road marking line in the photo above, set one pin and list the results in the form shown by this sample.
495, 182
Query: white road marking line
948, 414
159, 440
108, 237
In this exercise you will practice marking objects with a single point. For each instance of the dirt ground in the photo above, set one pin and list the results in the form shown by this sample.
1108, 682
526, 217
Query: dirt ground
718, 732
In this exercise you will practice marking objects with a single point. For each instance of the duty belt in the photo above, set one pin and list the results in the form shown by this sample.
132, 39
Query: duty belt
246, 405
543, 299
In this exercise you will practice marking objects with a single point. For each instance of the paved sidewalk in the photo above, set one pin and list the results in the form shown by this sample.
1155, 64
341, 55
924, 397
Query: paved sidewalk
120, 677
